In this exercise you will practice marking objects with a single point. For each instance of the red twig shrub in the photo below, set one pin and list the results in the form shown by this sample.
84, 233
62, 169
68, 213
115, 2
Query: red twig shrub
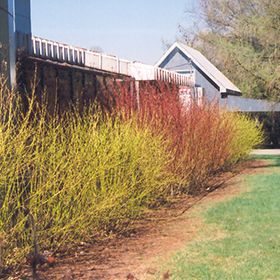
198, 137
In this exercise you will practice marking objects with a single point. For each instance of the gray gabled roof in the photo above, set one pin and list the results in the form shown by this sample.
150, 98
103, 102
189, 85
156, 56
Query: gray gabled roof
225, 85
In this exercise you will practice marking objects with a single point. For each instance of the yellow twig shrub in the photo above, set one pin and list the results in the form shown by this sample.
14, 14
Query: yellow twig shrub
245, 135
69, 179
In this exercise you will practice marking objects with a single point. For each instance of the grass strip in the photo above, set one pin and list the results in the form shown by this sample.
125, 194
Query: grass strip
241, 238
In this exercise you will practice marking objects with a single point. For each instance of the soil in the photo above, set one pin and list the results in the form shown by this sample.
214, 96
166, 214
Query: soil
136, 254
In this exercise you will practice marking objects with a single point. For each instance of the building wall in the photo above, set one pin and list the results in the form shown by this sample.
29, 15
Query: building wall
7, 41
23, 24
211, 92
23, 16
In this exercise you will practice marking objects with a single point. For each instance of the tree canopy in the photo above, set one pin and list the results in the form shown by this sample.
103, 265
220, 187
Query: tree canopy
242, 38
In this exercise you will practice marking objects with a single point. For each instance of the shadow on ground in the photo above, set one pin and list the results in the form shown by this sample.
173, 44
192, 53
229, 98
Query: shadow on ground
274, 160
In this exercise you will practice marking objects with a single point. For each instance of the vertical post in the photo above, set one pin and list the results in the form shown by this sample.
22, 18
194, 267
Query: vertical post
7, 42
137, 89
200, 96
100, 61
118, 64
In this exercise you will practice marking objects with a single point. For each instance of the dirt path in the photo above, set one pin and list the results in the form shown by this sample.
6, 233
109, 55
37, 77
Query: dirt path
155, 238
266, 152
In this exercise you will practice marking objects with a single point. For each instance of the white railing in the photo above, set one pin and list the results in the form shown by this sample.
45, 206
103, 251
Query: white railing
66, 53
60, 52
147, 72
173, 77
57, 51
107, 62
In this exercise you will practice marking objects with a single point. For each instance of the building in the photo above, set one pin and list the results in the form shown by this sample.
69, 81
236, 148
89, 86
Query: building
209, 82
188, 61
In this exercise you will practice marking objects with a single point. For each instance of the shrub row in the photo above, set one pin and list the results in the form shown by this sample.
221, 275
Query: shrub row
65, 180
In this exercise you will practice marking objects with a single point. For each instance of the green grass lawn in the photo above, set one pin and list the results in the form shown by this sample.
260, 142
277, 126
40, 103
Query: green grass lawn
241, 237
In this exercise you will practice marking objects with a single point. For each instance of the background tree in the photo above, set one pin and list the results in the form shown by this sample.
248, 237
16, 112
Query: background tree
242, 38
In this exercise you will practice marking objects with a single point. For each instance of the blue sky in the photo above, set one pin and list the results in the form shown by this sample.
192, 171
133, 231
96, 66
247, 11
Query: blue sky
131, 29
